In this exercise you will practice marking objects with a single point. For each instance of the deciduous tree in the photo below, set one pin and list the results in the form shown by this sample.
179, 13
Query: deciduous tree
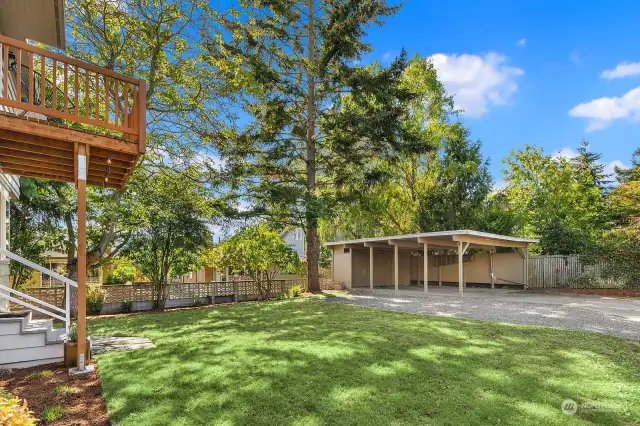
258, 252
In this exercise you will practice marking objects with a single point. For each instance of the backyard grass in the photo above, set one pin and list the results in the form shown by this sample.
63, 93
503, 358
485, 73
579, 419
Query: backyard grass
307, 362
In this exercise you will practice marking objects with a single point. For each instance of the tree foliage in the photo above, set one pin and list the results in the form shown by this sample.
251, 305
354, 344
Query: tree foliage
310, 118
555, 199
258, 252
171, 214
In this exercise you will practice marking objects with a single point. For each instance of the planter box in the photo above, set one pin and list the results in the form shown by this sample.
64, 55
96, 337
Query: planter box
71, 354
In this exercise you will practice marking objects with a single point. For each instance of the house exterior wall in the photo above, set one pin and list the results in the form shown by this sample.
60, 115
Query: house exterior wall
507, 266
295, 240
353, 267
342, 267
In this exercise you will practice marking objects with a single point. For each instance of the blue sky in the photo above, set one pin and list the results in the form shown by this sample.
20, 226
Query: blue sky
547, 73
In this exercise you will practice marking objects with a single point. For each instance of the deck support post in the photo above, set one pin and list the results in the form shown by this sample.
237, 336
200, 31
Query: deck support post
82, 254
396, 275
426, 268
371, 268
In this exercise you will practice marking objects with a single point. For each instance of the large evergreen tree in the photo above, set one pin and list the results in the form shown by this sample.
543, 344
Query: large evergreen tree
310, 119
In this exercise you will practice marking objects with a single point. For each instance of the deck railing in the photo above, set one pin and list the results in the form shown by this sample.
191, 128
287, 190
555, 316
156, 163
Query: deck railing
64, 88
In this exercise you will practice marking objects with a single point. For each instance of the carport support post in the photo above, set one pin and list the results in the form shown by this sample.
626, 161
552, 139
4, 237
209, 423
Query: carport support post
493, 279
525, 250
371, 268
426, 267
462, 247
396, 275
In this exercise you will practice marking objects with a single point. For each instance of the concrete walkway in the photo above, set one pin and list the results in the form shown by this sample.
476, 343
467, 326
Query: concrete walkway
103, 344
606, 315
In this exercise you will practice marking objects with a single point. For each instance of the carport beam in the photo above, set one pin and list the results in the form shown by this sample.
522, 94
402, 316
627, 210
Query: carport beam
396, 268
371, 268
426, 267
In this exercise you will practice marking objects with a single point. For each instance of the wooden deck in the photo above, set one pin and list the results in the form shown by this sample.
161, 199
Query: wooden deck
50, 104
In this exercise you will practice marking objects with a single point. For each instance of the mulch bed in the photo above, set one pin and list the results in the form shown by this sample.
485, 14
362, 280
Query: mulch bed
618, 292
84, 408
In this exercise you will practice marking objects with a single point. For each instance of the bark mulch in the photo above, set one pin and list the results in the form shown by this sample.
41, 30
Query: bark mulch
83, 408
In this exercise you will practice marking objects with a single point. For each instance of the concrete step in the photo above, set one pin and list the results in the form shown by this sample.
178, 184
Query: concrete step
40, 353
17, 341
27, 364
25, 342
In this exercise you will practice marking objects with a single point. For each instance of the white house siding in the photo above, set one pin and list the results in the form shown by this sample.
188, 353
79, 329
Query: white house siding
295, 240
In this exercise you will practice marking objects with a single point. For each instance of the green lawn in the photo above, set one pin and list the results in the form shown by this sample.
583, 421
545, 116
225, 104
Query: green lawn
308, 362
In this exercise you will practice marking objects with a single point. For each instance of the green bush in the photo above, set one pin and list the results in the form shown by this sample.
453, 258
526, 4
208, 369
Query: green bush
52, 414
283, 296
124, 272
126, 306
14, 412
295, 291
95, 300
73, 333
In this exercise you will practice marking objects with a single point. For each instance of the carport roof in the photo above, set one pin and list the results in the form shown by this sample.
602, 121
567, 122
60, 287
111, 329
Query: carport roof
442, 239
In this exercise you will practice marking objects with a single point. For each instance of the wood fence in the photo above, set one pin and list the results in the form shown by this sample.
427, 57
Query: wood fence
571, 272
141, 292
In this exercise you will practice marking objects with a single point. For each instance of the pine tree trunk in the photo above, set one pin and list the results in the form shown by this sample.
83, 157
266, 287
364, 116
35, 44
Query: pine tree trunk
311, 205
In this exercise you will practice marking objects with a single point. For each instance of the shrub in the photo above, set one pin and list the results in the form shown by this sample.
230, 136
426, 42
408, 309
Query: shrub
14, 412
196, 302
126, 306
40, 374
67, 390
124, 272
73, 333
283, 296
95, 300
52, 414
295, 291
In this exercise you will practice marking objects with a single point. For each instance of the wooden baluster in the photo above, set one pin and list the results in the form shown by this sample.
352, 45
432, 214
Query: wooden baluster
97, 97
117, 102
43, 81
5, 71
65, 101
86, 93
18, 75
126, 105
106, 99
30, 77
54, 96
76, 84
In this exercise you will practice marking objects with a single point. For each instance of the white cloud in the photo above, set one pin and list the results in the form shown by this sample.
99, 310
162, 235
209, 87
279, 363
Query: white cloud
625, 69
610, 168
477, 82
575, 57
522, 42
388, 57
565, 152
602, 112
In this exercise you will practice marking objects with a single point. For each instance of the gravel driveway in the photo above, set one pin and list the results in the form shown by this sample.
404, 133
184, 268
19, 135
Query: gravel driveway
616, 317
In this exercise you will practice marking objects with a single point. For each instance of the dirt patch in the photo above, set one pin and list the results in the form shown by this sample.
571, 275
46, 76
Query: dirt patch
617, 292
81, 399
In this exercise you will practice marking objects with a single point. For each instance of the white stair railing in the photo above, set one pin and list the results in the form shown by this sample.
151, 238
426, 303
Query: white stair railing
6, 291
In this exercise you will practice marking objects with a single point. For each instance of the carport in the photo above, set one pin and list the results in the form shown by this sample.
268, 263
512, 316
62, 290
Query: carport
391, 258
